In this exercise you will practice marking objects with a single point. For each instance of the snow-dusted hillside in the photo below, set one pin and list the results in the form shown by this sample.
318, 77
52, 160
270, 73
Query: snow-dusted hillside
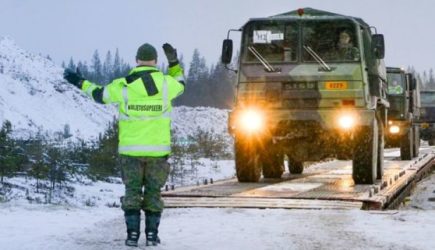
34, 95
189, 120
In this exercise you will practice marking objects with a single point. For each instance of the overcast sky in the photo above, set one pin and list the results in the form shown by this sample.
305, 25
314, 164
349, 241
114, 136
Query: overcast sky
64, 28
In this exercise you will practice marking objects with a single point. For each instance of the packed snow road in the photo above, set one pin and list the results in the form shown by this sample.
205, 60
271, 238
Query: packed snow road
222, 229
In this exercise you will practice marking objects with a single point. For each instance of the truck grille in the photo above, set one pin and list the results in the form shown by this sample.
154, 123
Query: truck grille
301, 103
299, 95
300, 85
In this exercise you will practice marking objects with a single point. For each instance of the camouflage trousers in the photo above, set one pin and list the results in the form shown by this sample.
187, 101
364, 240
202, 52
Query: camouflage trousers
143, 178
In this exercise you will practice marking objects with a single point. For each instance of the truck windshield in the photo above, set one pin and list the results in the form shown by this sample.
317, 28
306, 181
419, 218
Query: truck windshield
332, 40
274, 41
427, 99
395, 83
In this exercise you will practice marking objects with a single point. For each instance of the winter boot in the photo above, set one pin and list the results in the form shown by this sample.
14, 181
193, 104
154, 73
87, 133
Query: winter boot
152, 222
132, 219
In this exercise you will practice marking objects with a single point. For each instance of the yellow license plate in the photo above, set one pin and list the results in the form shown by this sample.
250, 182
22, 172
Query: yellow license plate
425, 125
336, 85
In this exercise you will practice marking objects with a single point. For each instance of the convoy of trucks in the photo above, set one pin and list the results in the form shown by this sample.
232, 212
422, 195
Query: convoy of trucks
313, 85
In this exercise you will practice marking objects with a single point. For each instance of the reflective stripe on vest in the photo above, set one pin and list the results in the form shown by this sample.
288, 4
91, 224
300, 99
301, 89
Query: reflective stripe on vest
124, 117
142, 148
90, 90
106, 96
165, 93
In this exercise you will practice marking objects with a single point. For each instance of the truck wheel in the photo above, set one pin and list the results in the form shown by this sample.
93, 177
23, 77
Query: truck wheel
365, 154
248, 163
295, 167
381, 145
416, 144
273, 163
406, 144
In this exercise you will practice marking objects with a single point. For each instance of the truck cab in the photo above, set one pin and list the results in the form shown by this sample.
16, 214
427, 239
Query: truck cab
311, 85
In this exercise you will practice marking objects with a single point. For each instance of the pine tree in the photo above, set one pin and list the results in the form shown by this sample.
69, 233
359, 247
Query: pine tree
38, 169
102, 73
71, 64
108, 68
97, 67
221, 85
104, 161
196, 93
181, 61
117, 65
85, 70
6, 151
56, 166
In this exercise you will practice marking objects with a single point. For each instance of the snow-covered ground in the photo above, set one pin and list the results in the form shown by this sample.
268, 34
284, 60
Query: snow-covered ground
103, 228
30, 226
424, 195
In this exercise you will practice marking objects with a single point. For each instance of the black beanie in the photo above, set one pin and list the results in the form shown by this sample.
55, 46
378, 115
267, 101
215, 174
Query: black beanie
146, 52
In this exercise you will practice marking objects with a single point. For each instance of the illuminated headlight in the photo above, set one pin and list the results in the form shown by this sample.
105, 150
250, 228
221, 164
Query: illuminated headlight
346, 122
394, 129
251, 120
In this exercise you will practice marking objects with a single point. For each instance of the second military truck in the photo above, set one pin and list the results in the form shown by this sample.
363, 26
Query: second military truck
427, 116
404, 112
311, 84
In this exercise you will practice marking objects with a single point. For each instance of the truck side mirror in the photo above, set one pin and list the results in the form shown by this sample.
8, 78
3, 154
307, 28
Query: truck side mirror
414, 84
227, 51
412, 81
378, 46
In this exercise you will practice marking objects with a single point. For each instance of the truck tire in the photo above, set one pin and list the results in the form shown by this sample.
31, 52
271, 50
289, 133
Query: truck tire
381, 145
365, 154
248, 162
273, 163
295, 167
416, 144
406, 145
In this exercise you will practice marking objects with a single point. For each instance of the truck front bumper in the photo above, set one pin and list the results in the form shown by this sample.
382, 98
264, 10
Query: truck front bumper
241, 121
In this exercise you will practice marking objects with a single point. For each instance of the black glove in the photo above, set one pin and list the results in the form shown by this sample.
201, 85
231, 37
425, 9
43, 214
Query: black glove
75, 78
170, 53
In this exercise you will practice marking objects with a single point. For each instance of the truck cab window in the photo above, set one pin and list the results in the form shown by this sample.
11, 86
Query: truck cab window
275, 42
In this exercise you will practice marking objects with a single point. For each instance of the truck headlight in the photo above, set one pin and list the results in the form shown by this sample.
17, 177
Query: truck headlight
394, 129
346, 122
251, 120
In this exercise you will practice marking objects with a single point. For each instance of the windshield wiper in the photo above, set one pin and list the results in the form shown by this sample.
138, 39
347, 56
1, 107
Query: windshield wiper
267, 66
317, 58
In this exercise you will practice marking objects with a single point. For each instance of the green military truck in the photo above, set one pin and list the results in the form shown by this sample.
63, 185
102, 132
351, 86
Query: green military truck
427, 116
311, 85
403, 114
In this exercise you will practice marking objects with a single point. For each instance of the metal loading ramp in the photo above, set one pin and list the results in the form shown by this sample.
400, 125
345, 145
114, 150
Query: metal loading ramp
327, 185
